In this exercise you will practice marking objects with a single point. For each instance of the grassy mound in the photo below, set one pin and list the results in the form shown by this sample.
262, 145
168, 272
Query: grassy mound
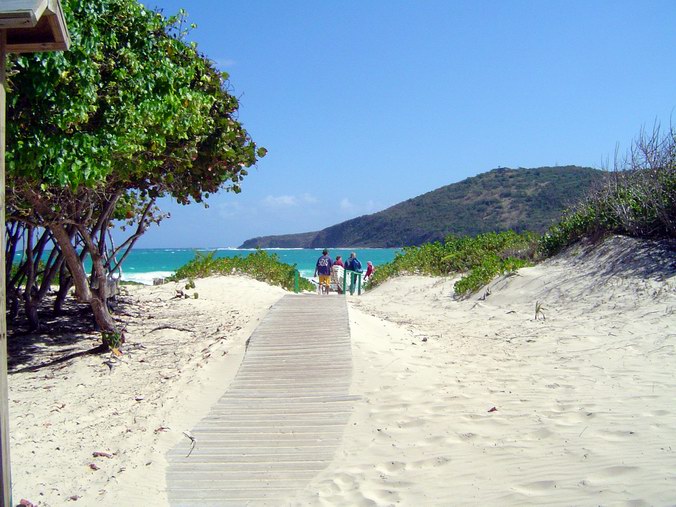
259, 265
479, 258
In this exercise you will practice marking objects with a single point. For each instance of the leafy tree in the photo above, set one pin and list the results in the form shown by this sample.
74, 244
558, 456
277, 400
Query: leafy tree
130, 114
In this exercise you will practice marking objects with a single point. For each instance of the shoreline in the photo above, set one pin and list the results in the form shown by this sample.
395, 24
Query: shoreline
303, 258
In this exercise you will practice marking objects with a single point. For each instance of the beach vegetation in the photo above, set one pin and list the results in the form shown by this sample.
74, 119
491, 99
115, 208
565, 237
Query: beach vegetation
539, 311
638, 198
112, 340
95, 135
260, 265
476, 259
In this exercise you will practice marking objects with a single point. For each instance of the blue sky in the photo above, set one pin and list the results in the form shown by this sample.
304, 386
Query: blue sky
363, 104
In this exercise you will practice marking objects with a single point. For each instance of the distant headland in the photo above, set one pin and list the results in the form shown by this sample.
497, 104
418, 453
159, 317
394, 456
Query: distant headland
498, 200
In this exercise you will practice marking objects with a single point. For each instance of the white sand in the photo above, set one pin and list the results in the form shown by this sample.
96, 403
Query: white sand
584, 403
163, 384
585, 399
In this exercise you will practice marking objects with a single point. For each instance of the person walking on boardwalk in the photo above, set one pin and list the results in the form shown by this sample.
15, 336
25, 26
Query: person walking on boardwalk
369, 270
353, 264
323, 268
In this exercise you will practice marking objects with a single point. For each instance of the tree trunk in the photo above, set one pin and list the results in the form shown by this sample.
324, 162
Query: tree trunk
100, 293
83, 292
104, 321
65, 283
72, 259
12, 305
31, 309
30, 303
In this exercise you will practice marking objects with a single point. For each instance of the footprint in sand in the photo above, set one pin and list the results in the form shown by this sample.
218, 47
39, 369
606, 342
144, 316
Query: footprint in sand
536, 487
612, 473
615, 436
411, 423
391, 467
384, 497
342, 479
429, 463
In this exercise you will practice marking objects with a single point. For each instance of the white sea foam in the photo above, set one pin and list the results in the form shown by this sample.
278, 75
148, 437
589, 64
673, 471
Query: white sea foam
145, 278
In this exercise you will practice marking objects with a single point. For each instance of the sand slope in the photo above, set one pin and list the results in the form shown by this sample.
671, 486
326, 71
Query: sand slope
584, 400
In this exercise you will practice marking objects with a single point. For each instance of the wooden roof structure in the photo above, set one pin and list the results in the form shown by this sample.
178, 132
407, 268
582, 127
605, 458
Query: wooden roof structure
33, 25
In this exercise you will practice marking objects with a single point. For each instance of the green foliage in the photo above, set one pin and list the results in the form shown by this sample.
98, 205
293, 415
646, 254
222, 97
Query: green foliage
639, 199
259, 265
129, 114
39, 273
129, 104
112, 340
479, 258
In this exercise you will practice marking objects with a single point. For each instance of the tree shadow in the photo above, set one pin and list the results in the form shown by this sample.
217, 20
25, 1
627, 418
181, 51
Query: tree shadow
68, 335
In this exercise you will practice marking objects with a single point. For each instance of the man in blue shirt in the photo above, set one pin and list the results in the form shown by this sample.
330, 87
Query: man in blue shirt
353, 264
323, 268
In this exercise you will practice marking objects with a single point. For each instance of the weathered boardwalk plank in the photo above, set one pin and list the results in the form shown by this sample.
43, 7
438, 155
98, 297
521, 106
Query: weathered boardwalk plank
281, 419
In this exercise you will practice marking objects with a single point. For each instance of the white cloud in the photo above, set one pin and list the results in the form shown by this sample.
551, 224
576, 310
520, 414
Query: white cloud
309, 198
280, 201
370, 206
223, 63
346, 205
358, 209
230, 209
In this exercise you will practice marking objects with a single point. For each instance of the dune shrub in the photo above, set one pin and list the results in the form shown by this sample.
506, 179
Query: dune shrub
478, 258
259, 265
638, 198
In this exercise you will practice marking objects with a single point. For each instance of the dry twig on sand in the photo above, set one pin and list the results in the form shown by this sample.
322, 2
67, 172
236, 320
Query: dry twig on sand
193, 442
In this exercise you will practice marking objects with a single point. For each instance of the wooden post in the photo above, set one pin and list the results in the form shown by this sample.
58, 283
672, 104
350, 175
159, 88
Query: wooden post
5, 485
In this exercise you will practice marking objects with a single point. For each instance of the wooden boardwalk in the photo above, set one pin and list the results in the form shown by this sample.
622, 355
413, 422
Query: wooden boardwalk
282, 418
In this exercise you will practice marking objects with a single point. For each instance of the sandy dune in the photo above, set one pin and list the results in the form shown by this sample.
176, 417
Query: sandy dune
584, 410
463, 402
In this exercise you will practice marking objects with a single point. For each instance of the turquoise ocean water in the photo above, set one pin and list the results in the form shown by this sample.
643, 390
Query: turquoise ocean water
144, 264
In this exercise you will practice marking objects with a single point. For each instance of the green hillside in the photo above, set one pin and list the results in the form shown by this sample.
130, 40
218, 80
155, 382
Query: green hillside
501, 199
